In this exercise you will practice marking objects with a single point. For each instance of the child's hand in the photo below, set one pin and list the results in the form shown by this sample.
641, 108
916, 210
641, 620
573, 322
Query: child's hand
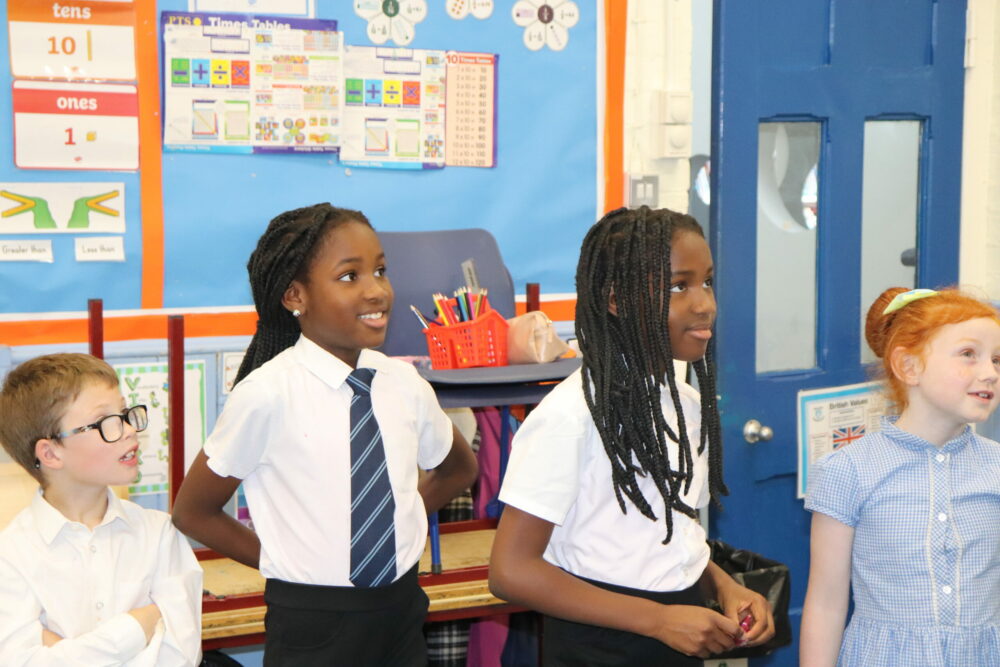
50, 638
696, 631
751, 610
148, 616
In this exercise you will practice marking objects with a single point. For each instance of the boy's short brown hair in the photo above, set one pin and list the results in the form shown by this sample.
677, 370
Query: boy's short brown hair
36, 395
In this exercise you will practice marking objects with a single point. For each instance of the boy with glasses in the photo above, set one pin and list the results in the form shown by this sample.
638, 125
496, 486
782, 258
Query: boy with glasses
87, 578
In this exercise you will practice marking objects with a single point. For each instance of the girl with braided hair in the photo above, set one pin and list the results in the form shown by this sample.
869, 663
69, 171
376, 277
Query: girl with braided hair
326, 435
908, 517
600, 530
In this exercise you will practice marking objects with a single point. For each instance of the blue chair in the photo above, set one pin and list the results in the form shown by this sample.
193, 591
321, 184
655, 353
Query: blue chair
422, 263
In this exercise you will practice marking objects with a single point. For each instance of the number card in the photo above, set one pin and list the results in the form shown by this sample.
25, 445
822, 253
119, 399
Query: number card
75, 125
72, 39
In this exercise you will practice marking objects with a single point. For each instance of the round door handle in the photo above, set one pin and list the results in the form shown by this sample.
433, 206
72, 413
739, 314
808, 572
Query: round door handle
754, 431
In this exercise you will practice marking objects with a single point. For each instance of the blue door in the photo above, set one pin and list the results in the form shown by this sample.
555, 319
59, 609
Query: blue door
836, 146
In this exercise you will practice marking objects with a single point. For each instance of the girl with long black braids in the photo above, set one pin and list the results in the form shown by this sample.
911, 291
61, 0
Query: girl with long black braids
326, 435
607, 474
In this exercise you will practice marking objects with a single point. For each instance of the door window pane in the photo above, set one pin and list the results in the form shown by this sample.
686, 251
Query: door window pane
890, 191
787, 206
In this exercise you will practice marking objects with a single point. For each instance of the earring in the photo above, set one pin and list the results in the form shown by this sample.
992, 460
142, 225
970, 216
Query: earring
296, 313
38, 464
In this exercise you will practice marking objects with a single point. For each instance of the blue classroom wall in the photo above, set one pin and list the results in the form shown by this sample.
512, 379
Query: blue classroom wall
538, 201
30, 287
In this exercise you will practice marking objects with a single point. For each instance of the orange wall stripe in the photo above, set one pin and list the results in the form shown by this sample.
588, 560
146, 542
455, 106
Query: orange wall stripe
147, 40
196, 325
133, 327
615, 21
558, 311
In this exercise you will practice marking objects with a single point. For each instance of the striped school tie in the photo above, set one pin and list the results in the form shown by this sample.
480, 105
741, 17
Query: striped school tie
373, 533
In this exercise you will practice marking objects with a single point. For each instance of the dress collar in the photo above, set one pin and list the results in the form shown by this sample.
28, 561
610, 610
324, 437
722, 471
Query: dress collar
916, 443
49, 521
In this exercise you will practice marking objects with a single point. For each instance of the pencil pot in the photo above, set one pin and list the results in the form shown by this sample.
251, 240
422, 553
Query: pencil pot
481, 342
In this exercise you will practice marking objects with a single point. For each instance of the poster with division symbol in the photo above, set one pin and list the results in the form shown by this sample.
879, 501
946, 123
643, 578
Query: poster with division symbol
249, 84
394, 107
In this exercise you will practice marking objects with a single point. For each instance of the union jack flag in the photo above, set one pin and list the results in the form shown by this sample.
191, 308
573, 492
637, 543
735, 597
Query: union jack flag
847, 435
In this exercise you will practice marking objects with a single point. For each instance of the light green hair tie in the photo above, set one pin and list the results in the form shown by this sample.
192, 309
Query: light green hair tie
906, 298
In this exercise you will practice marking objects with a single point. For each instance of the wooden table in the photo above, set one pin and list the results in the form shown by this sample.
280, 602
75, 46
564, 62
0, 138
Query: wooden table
233, 610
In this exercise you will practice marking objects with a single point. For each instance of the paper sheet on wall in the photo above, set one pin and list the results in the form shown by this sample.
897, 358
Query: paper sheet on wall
93, 41
147, 384
62, 208
394, 106
60, 125
248, 84
26, 251
470, 110
832, 418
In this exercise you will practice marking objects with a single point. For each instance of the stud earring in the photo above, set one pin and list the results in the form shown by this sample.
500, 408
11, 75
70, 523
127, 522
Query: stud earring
296, 313
38, 464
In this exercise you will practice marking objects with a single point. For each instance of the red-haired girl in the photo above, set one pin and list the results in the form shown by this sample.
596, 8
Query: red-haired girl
910, 516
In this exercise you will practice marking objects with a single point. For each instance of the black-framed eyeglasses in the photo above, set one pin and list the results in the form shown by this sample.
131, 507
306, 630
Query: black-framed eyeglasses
112, 427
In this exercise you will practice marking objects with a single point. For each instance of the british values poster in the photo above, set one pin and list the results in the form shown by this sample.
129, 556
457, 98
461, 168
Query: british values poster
831, 418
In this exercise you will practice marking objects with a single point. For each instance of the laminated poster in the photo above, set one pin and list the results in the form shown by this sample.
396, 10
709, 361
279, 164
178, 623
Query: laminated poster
72, 40
394, 108
146, 384
832, 418
62, 208
470, 116
239, 83
62, 125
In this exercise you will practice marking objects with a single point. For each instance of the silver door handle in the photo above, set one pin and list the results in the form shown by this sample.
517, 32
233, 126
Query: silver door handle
754, 431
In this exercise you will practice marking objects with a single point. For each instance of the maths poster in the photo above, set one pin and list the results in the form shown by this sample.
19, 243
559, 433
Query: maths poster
146, 384
394, 107
832, 418
243, 84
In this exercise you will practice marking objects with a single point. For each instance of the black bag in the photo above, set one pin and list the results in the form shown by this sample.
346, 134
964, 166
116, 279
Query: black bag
765, 576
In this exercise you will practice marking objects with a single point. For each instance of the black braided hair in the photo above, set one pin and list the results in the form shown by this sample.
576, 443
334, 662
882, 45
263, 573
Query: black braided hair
284, 253
625, 357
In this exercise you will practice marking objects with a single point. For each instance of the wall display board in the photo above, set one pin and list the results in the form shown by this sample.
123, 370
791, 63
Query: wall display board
72, 39
240, 83
538, 198
146, 384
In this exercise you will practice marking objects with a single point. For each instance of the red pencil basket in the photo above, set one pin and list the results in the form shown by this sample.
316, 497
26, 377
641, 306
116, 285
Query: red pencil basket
482, 342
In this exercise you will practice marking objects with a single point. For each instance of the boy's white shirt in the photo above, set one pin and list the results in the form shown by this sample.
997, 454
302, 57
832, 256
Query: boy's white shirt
80, 584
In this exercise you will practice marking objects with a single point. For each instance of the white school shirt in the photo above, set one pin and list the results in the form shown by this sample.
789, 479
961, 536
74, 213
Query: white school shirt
559, 472
285, 431
80, 584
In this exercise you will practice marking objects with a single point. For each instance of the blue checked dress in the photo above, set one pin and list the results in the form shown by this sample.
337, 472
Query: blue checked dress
925, 566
